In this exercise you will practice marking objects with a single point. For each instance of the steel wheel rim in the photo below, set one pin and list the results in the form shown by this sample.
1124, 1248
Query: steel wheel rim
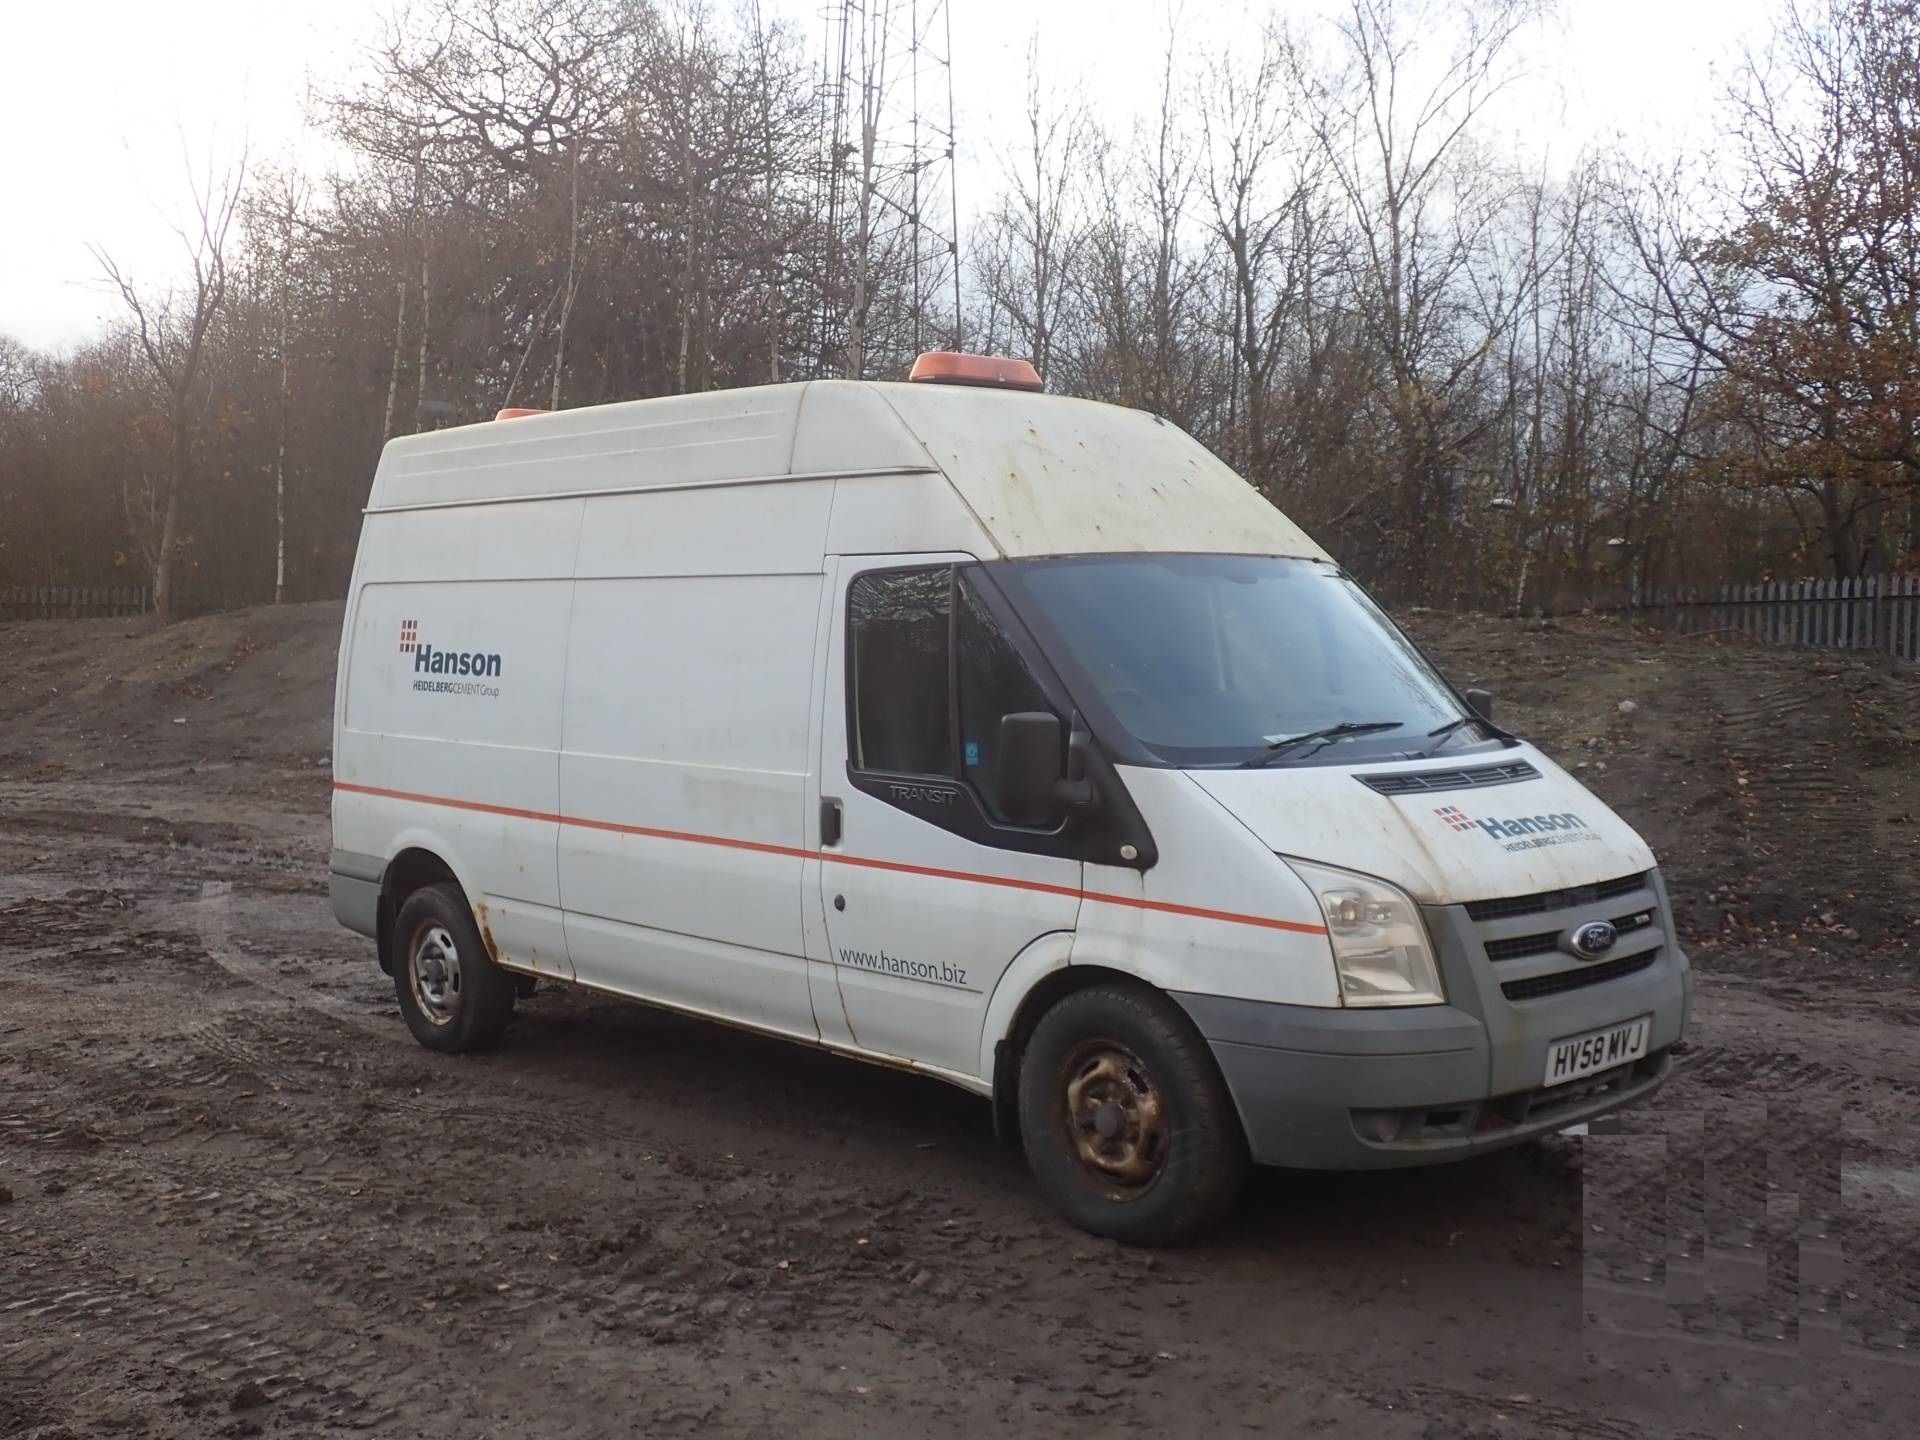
433, 971
1116, 1115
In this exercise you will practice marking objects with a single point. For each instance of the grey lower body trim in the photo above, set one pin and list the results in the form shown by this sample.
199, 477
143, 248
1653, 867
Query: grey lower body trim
354, 882
359, 867
1336, 1089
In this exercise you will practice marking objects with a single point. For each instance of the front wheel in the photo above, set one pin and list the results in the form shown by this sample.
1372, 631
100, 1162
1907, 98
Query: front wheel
451, 994
1126, 1123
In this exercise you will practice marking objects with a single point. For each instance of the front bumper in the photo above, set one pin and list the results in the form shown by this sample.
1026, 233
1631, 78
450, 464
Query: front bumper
1320, 1088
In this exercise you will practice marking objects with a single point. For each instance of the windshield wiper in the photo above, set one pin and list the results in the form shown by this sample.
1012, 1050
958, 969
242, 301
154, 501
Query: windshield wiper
1277, 749
1453, 725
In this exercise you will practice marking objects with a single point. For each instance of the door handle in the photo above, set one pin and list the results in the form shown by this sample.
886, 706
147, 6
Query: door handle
830, 822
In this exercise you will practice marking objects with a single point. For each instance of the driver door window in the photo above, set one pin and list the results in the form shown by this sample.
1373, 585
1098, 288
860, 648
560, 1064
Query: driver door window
931, 674
991, 681
899, 630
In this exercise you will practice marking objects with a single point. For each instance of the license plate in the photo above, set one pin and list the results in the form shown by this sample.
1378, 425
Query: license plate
1598, 1050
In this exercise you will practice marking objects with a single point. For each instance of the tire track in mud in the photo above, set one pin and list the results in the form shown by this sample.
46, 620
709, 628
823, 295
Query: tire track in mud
687, 1283
236, 1192
239, 1183
1811, 787
228, 1058
1737, 1070
186, 1327
221, 1063
226, 1182
1758, 1154
257, 1204
1815, 770
705, 1270
24, 1127
212, 919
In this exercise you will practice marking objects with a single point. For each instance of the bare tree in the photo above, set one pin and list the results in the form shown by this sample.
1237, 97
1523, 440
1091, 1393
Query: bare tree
171, 326
1395, 127
1265, 181
1035, 235
1806, 297
525, 87
275, 217
1488, 383
1147, 339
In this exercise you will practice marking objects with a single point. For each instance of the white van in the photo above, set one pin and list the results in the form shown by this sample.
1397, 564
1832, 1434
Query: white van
1010, 738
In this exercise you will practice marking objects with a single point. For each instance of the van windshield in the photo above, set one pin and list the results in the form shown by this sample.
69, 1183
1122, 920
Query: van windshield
1238, 659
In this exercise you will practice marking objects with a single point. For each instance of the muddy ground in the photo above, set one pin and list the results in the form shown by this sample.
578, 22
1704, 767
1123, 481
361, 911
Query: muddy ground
236, 1199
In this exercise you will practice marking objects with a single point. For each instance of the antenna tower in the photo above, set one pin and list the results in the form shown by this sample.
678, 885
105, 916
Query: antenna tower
890, 267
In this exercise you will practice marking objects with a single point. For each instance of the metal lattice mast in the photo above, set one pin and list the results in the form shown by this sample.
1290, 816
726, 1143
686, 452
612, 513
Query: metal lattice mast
890, 194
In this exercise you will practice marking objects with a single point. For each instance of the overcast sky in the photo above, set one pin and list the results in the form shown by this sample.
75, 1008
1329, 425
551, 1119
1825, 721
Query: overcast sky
107, 101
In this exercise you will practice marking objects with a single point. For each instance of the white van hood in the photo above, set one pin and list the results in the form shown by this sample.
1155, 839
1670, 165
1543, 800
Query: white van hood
1441, 846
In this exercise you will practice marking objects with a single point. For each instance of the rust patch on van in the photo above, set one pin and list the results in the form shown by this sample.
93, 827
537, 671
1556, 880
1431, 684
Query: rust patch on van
486, 932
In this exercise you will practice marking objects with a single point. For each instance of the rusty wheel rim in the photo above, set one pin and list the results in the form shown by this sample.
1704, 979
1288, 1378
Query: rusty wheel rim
433, 970
1116, 1115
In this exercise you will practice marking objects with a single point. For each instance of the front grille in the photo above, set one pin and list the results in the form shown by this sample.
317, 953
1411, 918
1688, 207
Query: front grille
1545, 969
1428, 782
1562, 981
1522, 947
1556, 899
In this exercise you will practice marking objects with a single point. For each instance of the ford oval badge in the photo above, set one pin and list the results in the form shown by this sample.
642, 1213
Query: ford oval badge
1593, 939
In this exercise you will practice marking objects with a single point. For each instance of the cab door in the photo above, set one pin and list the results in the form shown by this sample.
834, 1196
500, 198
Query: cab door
927, 894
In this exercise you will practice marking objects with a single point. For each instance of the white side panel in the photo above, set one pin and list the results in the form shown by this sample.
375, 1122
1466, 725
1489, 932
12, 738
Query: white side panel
903, 514
531, 541
776, 529
684, 772
464, 764
1262, 938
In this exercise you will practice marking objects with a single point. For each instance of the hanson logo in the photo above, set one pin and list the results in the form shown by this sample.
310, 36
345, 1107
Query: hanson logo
1551, 828
429, 661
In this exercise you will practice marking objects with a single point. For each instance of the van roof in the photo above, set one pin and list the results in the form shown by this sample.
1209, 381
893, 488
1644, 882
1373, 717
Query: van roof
1043, 474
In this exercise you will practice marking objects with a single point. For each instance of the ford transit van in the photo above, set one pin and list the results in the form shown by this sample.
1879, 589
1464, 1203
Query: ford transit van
1006, 737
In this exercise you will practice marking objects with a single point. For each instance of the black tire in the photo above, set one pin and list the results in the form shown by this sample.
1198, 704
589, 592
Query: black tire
1172, 1159
453, 996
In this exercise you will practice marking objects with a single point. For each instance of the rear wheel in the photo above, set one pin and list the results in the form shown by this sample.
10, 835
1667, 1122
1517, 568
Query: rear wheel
452, 995
1126, 1123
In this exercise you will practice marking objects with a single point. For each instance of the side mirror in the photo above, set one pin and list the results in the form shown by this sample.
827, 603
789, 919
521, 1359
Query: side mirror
1482, 703
1029, 774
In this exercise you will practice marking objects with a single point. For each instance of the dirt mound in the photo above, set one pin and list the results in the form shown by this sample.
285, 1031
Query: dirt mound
254, 685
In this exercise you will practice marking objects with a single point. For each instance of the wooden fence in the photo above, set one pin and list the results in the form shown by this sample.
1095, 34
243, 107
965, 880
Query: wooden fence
1877, 612
70, 602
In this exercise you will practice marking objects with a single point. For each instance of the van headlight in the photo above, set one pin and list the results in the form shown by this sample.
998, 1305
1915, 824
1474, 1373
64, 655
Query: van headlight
1380, 948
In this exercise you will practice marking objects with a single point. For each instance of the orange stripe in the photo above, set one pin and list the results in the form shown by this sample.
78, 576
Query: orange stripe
1006, 882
